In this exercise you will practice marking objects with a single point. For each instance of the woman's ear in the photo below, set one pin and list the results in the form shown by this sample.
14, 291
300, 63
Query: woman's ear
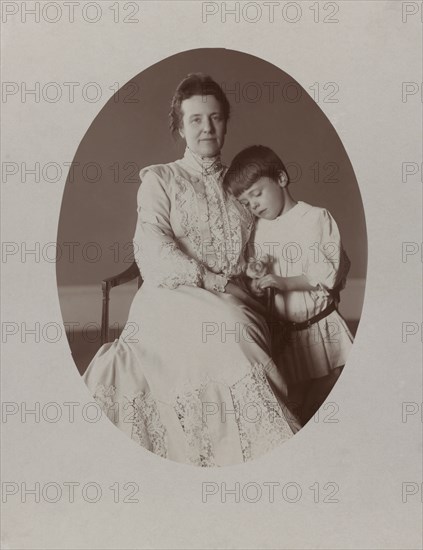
283, 179
181, 132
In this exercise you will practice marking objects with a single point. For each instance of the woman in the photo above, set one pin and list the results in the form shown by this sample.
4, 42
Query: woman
197, 386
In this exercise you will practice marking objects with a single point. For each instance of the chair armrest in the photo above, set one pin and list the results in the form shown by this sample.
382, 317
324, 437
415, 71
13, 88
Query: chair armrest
107, 284
132, 272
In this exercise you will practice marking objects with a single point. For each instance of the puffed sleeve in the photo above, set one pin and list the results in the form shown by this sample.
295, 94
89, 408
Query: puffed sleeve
158, 256
326, 264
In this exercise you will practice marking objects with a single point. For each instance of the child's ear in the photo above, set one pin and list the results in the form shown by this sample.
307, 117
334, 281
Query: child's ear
283, 179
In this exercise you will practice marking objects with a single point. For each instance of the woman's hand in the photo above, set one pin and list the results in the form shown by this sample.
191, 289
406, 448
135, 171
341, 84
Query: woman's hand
284, 284
233, 289
252, 285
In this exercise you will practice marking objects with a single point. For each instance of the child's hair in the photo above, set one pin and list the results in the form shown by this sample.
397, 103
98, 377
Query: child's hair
250, 165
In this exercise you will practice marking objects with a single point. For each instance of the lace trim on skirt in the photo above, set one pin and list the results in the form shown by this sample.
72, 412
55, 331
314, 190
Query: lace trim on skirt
262, 426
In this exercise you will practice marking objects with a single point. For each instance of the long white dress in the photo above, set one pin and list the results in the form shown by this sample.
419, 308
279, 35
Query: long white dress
196, 383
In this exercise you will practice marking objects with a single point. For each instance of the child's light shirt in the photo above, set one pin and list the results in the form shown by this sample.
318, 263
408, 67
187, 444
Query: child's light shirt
306, 241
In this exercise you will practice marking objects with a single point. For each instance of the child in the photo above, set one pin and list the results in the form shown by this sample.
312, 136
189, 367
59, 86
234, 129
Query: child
308, 268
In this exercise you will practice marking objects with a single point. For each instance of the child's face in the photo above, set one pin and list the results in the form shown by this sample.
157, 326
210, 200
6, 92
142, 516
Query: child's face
265, 198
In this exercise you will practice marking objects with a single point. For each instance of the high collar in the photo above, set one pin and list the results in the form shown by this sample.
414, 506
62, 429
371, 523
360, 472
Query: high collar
205, 165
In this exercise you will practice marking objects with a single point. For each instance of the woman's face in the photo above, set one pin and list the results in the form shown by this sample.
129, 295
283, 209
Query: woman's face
203, 125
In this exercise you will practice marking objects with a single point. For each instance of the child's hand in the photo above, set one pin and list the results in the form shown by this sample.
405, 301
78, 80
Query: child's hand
256, 268
270, 281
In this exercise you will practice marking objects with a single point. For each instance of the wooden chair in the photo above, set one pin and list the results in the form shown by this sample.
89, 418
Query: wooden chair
107, 284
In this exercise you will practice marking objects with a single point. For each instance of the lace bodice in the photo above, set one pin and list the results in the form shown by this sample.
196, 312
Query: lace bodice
187, 224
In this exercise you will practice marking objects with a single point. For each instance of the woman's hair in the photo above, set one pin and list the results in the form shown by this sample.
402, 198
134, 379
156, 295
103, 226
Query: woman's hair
195, 84
250, 165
